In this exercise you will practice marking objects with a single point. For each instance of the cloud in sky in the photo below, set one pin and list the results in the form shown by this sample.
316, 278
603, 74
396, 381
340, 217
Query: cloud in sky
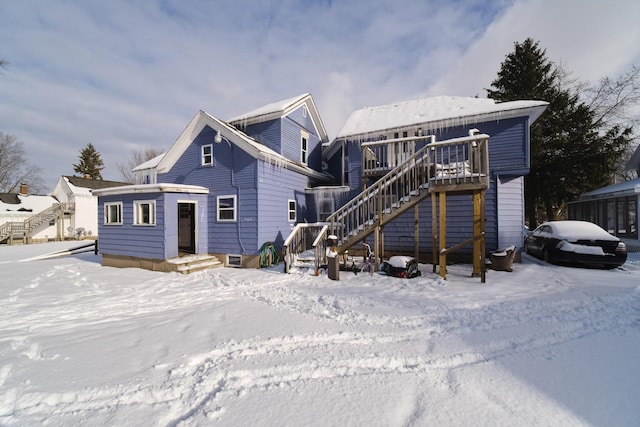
131, 74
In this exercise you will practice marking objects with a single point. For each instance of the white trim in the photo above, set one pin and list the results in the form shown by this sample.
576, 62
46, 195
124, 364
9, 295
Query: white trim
235, 208
152, 213
195, 219
107, 215
151, 188
203, 156
294, 211
230, 264
304, 147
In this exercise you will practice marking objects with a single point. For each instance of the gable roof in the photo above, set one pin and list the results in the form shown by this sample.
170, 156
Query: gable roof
435, 113
234, 136
280, 109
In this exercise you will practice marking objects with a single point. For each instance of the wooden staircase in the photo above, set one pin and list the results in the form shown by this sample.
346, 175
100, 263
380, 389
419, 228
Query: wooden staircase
454, 165
26, 227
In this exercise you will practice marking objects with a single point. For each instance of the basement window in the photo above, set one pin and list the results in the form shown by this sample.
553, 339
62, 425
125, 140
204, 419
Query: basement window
234, 260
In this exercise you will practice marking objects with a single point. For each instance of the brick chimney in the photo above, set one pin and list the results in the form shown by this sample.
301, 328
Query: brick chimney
24, 189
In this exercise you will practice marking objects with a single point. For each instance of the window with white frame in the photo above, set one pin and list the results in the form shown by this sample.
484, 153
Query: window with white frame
144, 212
227, 208
113, 213
234, 260
304, 146
207, 155
292, 210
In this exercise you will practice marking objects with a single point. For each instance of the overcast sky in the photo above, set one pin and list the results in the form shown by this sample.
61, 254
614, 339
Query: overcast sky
125, 74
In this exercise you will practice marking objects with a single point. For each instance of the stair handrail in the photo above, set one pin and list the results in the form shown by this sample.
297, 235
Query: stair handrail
305, 236
33, 221
425, 168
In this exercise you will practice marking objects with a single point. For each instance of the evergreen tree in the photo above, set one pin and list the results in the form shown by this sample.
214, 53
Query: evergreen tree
90, 163
570, 152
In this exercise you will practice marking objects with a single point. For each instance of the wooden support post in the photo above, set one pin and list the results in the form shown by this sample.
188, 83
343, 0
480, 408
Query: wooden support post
434, 231
376, 245
483, 247
380, 257
477, 231
443, 235
416, 232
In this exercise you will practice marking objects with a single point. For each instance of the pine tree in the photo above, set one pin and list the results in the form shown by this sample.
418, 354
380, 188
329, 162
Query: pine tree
90, 163
570, 153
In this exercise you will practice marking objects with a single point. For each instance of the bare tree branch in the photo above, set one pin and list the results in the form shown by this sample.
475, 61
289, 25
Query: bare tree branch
137, 157
14, 169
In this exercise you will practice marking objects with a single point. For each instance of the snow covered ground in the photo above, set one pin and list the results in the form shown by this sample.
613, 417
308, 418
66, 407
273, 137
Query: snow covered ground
92, 345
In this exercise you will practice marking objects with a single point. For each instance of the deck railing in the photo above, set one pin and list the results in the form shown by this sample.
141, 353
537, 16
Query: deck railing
457, 164
303, 238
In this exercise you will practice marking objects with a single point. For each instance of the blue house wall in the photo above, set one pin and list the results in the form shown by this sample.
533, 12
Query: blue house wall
276, 186
508, 160
128, 239
159, 241
284, 137
261, 189
267, 133
233, 173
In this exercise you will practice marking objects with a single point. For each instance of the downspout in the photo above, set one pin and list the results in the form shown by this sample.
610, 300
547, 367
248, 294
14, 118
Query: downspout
237, 187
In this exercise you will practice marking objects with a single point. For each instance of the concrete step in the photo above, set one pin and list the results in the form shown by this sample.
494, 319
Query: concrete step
192, 263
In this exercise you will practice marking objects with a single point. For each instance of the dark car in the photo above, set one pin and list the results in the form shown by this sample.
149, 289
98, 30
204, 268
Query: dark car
575, 242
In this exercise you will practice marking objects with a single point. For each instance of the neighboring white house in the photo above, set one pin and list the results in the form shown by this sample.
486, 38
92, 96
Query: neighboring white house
17, 214
76, 191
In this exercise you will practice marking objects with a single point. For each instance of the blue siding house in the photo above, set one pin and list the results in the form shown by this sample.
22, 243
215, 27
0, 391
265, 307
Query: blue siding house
388, 134
147, 226
256, 170
257, 177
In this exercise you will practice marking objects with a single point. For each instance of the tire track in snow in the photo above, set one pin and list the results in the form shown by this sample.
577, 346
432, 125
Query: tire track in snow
202, 386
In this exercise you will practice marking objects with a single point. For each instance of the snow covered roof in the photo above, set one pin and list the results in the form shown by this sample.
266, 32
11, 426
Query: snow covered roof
80, 185
436, 113
279, 109
619, 189
10, 202
149, 164
152, 188
234, 136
